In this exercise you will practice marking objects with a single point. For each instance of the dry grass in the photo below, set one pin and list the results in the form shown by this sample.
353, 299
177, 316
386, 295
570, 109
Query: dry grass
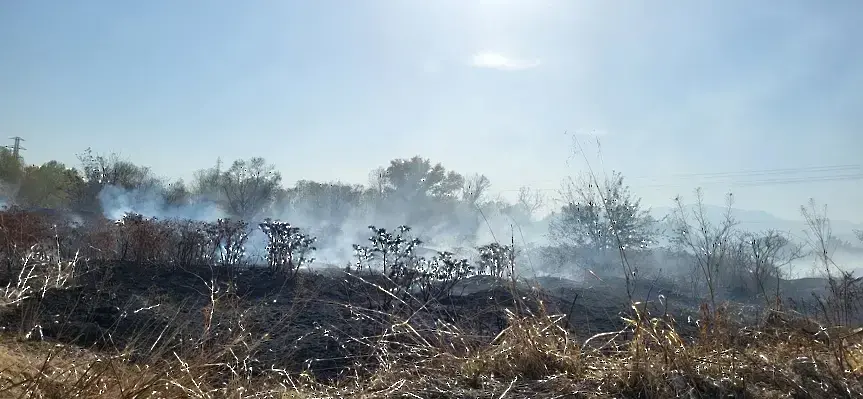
534, 356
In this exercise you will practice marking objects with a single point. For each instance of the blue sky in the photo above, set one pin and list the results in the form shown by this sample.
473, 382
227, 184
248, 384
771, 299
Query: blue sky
331, 89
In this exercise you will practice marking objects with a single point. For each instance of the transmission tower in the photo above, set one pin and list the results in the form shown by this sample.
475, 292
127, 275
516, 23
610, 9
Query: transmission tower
16, 148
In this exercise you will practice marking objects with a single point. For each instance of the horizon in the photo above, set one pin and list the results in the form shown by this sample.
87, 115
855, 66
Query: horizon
729, 96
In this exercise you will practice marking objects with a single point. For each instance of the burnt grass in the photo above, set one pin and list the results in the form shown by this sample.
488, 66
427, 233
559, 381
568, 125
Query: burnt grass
323, 321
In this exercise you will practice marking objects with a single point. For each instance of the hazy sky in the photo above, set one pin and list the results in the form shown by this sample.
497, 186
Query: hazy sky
329, 90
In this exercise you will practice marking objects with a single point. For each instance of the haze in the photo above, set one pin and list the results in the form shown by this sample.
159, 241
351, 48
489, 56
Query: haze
717, 94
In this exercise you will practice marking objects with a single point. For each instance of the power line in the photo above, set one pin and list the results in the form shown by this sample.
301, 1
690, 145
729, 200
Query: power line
742, 173
793, 176
16, 148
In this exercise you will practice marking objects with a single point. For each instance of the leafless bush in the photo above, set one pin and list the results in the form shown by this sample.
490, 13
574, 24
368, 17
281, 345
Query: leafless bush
191, 244
229, 239
142, 239
711, 245
758, 259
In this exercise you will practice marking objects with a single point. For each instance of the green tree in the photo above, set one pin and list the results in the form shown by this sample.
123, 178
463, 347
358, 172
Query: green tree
50, 185
11, 173
244, 190
100, 171
606, 216
176, 194
418, 178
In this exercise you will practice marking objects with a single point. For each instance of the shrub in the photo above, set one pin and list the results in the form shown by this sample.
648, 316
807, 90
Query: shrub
229, 239
288, 248
20, 231
142, 239
437, 276
190, 244
496, 260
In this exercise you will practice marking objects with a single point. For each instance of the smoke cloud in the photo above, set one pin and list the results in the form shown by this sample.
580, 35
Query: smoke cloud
451, 226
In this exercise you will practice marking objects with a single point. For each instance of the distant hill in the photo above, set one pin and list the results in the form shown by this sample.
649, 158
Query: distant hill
756, 220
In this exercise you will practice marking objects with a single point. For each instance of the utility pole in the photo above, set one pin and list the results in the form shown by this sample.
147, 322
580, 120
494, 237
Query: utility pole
16, 148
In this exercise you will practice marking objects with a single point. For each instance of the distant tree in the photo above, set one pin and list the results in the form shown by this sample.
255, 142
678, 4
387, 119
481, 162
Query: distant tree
206, 183
605, 221
474, 189
50, 185
331, 202
378, 183
417, 177
11, 172
248, 187
820, 239
761, 257
101, 170
859, 234
530, 201
606, 217
176, 194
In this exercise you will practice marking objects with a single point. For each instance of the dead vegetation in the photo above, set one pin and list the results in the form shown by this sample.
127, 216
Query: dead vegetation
410, 343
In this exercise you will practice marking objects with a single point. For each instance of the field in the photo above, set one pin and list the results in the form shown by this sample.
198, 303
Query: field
128, 310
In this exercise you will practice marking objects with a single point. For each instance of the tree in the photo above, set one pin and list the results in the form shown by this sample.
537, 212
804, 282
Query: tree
176, 194
474, 189
710, 244
248, 187
820, 238
761, 257
100, 171
11, 172
417, 178
50, 185
602, 217
378, 183
206, 182
329, 203
530, 201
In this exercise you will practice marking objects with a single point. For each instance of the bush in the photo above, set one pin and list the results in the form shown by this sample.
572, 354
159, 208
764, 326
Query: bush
20, 232
288, 248
496, 260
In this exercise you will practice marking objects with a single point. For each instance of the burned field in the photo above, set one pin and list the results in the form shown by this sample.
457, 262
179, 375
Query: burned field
173, 293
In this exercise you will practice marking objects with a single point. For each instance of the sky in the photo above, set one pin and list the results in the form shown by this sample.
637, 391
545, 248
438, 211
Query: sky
735, 96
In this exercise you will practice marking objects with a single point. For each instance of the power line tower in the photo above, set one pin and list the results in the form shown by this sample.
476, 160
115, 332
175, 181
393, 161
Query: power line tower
16, 148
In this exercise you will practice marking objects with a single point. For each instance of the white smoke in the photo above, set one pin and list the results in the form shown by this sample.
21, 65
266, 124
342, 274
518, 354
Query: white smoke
117, 201
459, 229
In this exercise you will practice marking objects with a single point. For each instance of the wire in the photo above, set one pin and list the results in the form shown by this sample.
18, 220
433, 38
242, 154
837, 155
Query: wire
793, 176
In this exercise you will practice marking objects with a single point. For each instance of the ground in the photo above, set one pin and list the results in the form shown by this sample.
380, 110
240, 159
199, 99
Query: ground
321, 322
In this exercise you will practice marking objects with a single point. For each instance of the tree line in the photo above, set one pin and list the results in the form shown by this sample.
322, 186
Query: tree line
597, 226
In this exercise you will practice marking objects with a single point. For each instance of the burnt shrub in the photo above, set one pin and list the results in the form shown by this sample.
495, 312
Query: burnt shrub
288, 248
20, 231
142, 239
189, 243
228, 238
